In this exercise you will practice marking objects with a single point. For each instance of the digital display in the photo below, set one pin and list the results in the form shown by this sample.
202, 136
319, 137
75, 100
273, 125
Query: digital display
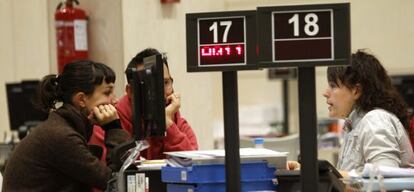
302, 35
221, 41
218, 54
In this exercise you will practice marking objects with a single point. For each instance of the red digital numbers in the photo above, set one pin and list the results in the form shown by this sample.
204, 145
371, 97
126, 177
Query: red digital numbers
226, 50
222, 54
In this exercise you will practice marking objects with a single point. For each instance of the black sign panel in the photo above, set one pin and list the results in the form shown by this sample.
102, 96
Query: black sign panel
304, 35
221, 41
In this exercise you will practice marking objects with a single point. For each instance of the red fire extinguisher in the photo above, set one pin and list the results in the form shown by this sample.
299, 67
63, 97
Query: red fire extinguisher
71, 33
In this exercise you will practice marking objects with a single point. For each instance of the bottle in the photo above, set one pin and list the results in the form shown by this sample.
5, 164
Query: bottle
258, 142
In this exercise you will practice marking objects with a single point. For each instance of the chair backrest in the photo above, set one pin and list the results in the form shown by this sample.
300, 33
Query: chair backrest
288, 143
412, 132
1, 181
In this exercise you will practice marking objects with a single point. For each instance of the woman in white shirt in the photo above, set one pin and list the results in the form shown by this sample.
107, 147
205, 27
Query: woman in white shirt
377, 120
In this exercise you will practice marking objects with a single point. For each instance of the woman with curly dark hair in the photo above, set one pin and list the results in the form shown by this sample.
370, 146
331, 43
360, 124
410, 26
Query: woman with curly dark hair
376, 117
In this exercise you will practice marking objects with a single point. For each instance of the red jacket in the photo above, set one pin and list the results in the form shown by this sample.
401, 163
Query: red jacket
180, 136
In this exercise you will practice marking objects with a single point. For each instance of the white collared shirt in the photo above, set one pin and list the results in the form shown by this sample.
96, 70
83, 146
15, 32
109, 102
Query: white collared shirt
376, 137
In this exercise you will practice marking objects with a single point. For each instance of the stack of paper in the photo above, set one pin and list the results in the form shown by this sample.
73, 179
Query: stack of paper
150, 164
188, 158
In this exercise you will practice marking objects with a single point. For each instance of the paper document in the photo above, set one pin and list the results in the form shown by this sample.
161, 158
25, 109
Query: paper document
386, 171
188, 158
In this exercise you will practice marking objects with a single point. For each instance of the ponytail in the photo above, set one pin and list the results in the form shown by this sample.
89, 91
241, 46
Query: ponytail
49, 93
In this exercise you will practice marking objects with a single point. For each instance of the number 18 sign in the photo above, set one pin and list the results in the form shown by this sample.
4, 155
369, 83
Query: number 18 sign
221, 41
304, 35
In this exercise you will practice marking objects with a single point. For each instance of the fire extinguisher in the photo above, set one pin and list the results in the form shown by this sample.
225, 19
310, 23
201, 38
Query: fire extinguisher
71, 33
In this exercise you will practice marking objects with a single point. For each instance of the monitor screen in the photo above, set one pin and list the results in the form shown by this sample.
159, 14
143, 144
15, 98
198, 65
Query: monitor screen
148, 103
20, 99
405, 85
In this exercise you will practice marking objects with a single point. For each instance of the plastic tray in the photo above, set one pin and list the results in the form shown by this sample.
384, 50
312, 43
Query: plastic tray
215, 173
221, 187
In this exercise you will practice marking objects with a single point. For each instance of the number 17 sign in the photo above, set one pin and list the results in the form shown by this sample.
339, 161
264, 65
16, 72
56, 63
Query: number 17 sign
218, 45
304, 35
221, 41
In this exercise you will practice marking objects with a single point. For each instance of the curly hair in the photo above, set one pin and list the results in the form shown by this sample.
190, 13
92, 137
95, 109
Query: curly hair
377, 90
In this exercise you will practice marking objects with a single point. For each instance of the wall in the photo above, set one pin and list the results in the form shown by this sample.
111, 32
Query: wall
28, 48
119, 29
148, 23
23, 46
166, 32
383, 26
104, 35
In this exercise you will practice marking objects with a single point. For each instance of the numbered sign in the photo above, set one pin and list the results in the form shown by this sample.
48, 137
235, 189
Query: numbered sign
218, 45
305, 35
223, 41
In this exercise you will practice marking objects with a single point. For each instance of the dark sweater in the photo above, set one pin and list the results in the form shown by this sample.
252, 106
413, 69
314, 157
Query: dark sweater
55, 156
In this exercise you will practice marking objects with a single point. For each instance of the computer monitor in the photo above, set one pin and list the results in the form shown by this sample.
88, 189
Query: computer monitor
405, 85
20, 101
148, 103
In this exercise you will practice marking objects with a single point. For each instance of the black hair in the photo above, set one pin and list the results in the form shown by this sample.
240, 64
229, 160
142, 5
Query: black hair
79, 76
377, 90
139, 59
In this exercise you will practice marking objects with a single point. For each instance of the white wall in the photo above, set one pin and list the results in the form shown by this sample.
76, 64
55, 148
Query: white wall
23, 46
28, 43
119, 29
105, 41
385, 27
148, 23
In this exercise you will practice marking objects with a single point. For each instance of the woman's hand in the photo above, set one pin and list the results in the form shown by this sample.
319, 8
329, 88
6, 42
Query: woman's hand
292, 165
174, 101
104, 114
